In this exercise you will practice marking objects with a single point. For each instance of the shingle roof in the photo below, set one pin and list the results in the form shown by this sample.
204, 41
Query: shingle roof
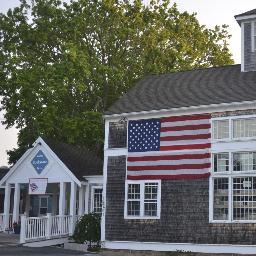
3, 171
189, 88
80, 161
251, 12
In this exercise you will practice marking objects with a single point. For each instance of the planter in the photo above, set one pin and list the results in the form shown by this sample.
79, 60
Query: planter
76, 247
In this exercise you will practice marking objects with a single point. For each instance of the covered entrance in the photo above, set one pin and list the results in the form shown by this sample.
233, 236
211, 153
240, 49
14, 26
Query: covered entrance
48, 189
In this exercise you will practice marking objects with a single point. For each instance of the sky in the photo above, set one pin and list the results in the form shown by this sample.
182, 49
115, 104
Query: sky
209, 13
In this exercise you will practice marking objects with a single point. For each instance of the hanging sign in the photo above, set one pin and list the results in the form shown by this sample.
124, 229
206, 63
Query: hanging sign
39, 162
37, 186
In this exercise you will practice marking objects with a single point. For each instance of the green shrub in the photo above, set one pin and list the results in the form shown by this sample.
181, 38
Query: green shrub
87, 230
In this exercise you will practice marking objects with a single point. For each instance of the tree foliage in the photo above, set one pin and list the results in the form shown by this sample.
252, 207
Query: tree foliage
63, 64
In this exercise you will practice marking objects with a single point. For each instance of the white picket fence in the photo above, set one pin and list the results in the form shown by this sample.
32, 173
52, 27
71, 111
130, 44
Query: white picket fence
46, 227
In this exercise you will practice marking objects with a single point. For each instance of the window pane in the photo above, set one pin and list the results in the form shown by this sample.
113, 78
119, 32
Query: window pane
244, 161
133, 208
117, 134
44, 201
150, 199
134, 191
150, 208
220, 129
220, 199
243, 128
97, 200
151, 191
221, 162
244, 198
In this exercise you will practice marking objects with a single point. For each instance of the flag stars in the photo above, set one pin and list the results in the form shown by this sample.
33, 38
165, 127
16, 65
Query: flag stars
143, 135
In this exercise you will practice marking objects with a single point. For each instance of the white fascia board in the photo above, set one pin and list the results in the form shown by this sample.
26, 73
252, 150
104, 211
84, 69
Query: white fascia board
15, 166
65, 168
246, 17
222, 107
186, 247
94, 179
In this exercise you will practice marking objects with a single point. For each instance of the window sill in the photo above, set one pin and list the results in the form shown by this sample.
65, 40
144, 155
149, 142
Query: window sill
245, 139
141, 218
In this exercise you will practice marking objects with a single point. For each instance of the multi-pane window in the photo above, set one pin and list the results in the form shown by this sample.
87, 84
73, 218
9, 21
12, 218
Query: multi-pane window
220, 129
97, 200
142, 199
243, 128
117, 134
221, 162
220, 199
133, 200
244, 198
244, 161
234, 186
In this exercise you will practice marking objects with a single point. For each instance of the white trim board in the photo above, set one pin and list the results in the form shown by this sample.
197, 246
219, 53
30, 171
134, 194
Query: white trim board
212, 108
186, 247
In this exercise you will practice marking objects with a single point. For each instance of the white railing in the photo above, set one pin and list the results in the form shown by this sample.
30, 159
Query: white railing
1, 222
2, 226
47, 227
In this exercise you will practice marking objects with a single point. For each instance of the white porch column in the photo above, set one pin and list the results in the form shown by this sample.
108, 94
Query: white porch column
86, 199
7, 197
16, 203
81, 201
72, 210
62, 198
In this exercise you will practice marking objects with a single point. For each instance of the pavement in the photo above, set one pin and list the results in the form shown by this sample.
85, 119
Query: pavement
9, 246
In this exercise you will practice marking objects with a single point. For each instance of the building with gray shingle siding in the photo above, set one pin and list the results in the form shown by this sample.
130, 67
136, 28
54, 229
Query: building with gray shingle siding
213, 213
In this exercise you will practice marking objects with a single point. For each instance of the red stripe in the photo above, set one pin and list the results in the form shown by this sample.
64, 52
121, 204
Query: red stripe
169, 167
186, 127
171, 157
186, 137
181, 147
185, 118
169, 177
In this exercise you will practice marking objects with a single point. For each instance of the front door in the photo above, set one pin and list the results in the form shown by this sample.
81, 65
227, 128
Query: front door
43, 205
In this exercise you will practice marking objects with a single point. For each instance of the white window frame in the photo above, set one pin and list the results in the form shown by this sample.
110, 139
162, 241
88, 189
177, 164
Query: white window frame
231, 137
230, 175
40, 205
253, 35
92, 196
142, 188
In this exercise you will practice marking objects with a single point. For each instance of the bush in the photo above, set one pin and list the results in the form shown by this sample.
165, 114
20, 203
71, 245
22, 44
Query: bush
88, 230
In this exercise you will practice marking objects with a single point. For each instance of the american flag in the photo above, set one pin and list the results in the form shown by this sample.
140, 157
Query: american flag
175, 147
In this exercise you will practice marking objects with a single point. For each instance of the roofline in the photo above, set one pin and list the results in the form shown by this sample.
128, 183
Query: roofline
27, 153
245, 17
204, 108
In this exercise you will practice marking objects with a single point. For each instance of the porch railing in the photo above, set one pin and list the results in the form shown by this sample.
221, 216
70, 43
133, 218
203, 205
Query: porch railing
2, 227
47, 227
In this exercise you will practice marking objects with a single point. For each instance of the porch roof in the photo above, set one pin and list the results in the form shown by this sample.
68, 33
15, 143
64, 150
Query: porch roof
80, 161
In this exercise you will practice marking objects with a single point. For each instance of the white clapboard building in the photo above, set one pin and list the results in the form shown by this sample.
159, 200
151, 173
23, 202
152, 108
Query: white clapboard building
48, 188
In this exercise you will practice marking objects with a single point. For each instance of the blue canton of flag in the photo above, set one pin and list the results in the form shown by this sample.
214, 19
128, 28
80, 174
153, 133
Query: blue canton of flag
144, 135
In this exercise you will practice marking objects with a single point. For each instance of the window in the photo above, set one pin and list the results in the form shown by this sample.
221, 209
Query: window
220, 129
117, 134
221, 162
244, 161
234, 196
253, 24
97, 200
143, 199
243, 128
220, 199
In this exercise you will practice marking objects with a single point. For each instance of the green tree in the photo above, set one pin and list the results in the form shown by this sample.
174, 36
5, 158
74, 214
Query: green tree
64, 64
